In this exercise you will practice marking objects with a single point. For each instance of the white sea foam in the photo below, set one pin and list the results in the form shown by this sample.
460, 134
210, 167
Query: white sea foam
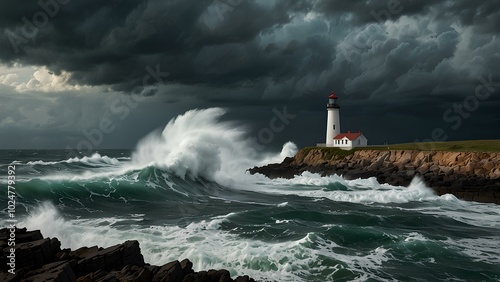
207, 246
358, 191
40, 162
415, 236
306, 178
75, 233
196, 144
282, 221
94, 160
481, 249
202, 242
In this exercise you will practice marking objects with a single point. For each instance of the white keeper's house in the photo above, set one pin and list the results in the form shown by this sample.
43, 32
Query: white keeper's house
350, 140
334, 138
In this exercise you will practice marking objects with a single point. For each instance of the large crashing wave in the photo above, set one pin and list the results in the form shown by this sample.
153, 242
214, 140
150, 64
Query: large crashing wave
197, 144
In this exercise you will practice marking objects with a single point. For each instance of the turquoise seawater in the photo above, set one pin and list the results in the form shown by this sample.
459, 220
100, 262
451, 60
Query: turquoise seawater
184, 193
210, 211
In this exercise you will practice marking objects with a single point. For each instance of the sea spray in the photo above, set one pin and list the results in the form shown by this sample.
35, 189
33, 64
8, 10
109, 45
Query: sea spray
336, 188
184, 194
198, 145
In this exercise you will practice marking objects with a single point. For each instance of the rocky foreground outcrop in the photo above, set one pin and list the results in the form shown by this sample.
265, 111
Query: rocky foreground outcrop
41, 259
473, 176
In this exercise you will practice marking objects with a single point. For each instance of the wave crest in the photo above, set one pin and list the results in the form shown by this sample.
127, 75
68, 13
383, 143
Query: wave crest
94, 160
198, 145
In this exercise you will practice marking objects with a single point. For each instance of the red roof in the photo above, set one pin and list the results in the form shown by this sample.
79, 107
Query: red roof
349, 135
333, 96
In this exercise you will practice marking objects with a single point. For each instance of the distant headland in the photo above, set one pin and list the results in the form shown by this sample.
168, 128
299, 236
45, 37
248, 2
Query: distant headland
470, 170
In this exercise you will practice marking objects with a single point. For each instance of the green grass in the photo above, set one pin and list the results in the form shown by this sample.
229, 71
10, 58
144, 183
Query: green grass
330, 152
450, 146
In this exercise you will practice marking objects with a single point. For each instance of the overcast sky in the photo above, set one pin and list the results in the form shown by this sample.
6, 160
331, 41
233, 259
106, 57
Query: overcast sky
404, 70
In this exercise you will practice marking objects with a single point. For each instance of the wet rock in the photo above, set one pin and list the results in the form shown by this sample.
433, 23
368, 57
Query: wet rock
112, 258
171, 271
243, 279
56, 271
41, 259
459, 172
35, 254
187, 267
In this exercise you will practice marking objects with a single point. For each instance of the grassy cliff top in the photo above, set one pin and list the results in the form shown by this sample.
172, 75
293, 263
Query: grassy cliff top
450, 146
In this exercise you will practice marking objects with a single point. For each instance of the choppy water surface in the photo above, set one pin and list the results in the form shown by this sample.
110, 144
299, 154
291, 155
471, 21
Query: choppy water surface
184, 194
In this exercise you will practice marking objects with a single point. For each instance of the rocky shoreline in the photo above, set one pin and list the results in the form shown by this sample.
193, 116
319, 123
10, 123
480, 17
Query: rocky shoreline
472, 176
42, 259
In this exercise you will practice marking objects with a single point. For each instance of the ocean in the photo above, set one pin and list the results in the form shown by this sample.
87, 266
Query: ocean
184, 193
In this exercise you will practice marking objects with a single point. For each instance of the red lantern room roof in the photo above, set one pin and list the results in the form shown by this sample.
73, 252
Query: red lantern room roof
333, 96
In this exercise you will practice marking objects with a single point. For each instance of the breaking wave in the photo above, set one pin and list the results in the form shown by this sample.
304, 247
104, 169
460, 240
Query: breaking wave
196, 144
184, 193
94, 160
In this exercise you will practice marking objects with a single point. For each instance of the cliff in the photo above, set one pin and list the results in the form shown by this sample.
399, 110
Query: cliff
41, 259
473, 176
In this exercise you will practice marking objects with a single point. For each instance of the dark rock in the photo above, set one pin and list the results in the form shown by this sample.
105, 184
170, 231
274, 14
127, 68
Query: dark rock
87, 278
462, 172
144, 275
128, 273
219, 275
200, 276
28, 236
132, 253
36, 253
7, 277
39, 259
170, 272
243, 279
84, 251
187, 266
152, 268
112, 258
57, 271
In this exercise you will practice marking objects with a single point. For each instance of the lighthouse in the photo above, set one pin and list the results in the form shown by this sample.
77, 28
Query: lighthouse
333, 119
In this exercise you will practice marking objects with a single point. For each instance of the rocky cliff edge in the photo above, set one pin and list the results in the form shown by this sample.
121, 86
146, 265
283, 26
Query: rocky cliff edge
473, 176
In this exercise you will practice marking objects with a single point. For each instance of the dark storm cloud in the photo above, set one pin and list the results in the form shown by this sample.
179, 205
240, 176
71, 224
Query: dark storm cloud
485, 16
389, 58
211, 42
364, 11
111, 42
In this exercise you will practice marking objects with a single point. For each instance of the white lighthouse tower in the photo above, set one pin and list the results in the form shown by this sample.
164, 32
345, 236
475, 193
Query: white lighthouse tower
333, 120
